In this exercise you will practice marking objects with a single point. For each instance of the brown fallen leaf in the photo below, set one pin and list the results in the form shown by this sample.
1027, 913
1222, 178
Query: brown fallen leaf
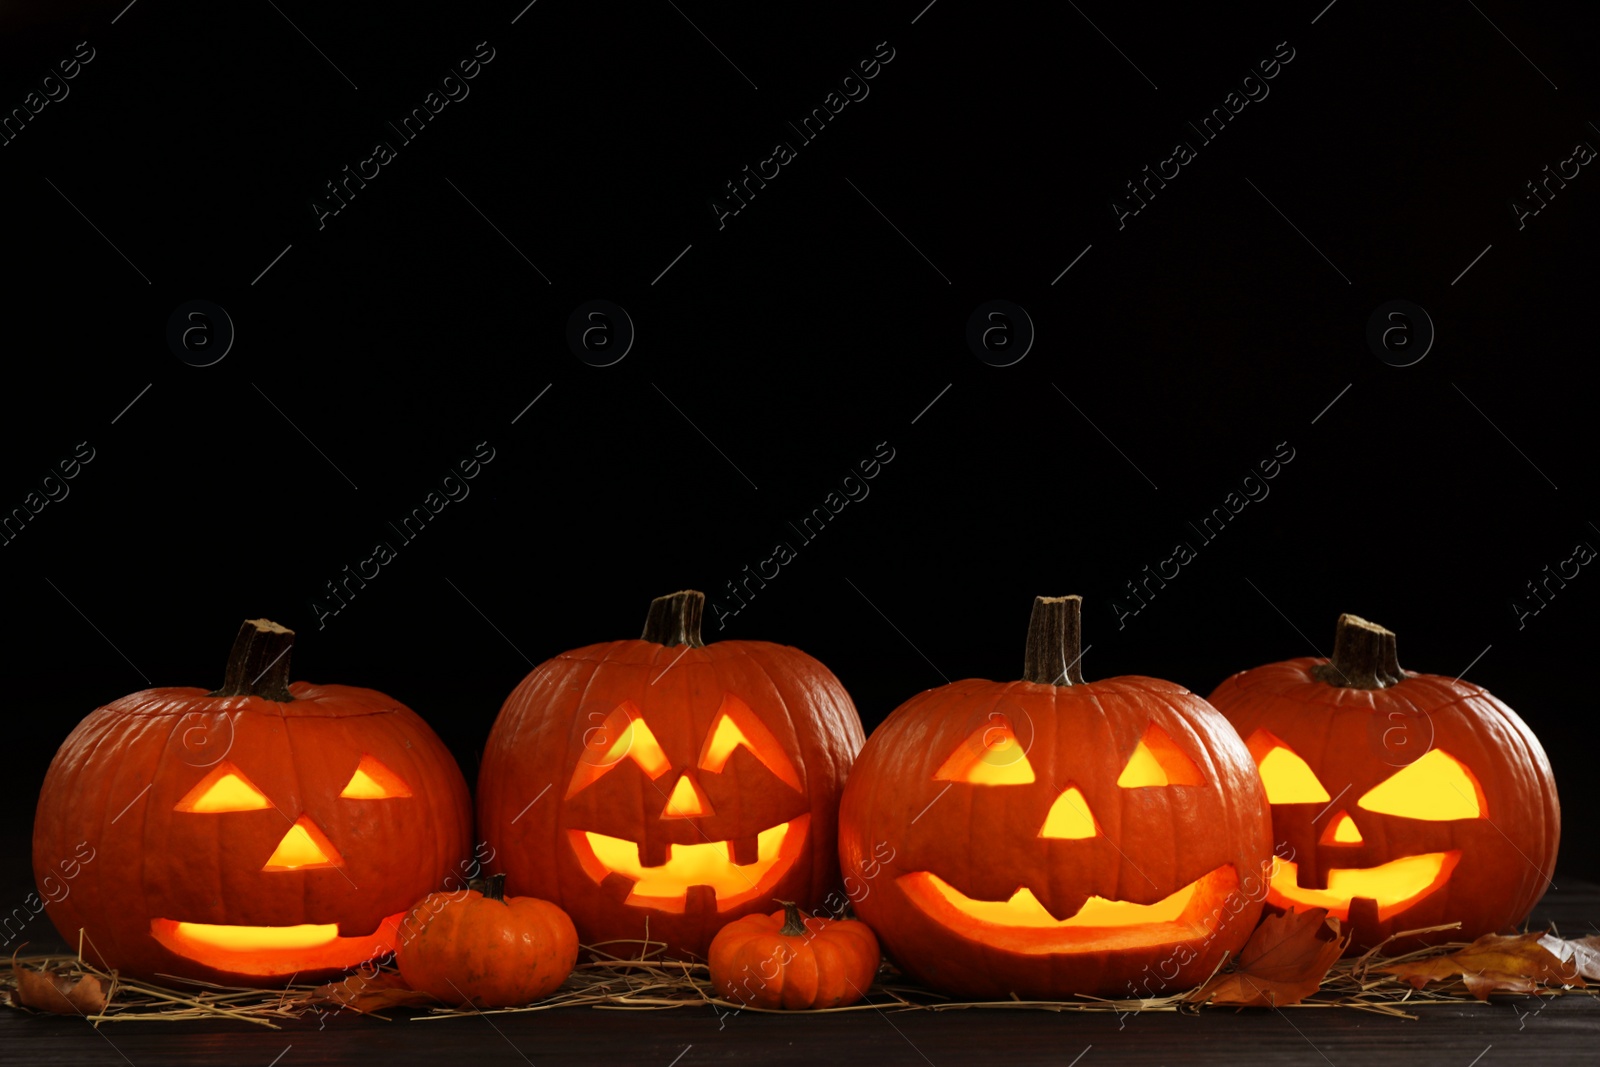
1506, 963
58, 993
1582, 954
1284, 962
359, 993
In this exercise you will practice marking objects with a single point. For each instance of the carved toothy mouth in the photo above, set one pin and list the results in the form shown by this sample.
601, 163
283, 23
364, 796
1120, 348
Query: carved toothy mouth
1022, 925
1392, 886
665, 887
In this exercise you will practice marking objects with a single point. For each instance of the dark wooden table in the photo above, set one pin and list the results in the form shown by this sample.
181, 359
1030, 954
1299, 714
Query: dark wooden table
1553, 1032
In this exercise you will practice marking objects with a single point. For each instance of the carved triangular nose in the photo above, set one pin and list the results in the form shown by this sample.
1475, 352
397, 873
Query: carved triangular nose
1069, 817
1341, 831
686, 801
304, 847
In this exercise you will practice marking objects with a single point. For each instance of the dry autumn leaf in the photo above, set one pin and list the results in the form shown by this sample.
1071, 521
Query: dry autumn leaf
1284, 962
58, 993
384, 990
1514, 963
1583, 954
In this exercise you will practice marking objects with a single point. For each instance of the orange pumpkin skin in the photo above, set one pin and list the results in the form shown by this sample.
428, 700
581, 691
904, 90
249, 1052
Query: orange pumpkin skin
119, 777
782, 961
481, 951
557, 769
900, 823
1353, 739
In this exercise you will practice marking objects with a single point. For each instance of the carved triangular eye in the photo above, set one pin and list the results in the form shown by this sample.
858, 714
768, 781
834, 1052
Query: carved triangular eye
1070, 818
373, 781
224, 789
623, 734
1288, 778
736, 725
992, 755
1157, 760
1436, 787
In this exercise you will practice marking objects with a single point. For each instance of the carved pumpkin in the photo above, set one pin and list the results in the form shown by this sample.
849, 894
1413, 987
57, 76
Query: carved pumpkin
253, 833
784, 961
1051, 837
486, 950
669, 782
1400, 800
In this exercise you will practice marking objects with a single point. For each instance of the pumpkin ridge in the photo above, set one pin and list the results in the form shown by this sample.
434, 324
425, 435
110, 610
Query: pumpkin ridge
177, 701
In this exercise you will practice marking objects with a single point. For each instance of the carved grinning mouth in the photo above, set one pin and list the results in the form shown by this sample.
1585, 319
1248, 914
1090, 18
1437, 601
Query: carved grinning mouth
1022, 925
1392, 886
665, 887
267, 951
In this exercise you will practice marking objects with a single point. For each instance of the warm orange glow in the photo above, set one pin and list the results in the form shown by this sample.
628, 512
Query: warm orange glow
254, 938
1024, 909
1435, 787
1069, 817
274, 951
992, 755
686, 801
373, 781
1341, 831
1288, 778
622, 735
304, 847
1393, 886
224, 789
1157, 760
737, 725
1022, 925
708, 863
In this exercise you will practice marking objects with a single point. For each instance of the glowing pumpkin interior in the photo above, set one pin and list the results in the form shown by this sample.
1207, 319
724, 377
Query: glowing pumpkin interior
992, 756
623, 735
263, 951
1436, 787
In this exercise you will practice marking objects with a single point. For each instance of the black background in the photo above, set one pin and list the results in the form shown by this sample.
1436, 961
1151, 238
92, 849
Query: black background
796, 338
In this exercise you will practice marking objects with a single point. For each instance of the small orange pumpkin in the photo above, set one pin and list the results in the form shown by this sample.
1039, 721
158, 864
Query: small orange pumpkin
784, 961
485, 950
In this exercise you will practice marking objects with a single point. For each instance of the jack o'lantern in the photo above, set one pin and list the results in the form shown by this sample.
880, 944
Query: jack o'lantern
1399, 800
669, 785
1052, 836
252, 833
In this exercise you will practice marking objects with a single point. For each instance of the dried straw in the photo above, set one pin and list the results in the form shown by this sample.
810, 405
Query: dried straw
634, 976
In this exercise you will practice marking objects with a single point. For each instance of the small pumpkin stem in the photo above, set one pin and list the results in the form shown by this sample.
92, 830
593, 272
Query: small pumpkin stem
1055, 634
495, 888
258, 666
793, 924
1363, 657
674, 619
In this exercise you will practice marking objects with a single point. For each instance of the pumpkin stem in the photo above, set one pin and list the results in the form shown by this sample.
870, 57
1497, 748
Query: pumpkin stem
793, 924
258, 666
1055, 634
674, 619
1363, 657
494, 888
